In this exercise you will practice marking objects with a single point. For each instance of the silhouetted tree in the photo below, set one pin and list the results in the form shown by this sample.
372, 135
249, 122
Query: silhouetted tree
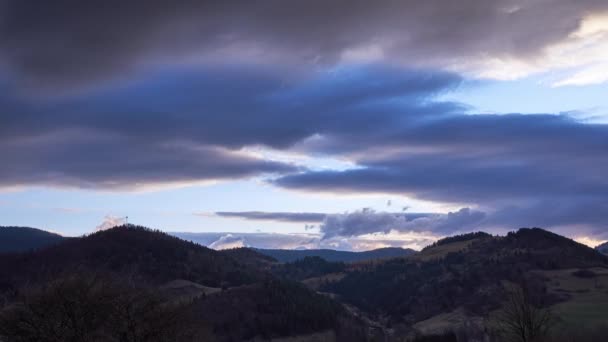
521, 319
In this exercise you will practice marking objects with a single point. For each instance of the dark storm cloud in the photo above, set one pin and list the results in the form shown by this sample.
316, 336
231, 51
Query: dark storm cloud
274, 216
474, 159
60, 42
187, 126
469, 176
239, 106
89, 160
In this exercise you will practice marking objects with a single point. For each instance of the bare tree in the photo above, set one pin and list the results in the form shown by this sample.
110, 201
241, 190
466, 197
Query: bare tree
521, 319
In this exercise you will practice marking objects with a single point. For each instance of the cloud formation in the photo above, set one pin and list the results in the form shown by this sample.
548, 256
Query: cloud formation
273, 216
367, 221
96, 161
67, 41
185, 127
189, 127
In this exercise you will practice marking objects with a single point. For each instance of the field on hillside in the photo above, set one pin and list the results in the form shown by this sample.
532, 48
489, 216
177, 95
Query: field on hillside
588, 302
316, 282
438, 252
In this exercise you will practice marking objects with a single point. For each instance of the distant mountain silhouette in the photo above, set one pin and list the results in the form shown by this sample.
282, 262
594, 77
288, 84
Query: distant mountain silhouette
603, 248
290, 255
22, 239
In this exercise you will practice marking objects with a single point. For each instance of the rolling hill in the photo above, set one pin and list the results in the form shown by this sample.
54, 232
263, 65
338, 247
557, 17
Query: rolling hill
151, 256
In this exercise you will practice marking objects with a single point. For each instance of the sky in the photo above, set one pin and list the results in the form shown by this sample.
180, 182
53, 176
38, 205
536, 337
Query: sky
345, 124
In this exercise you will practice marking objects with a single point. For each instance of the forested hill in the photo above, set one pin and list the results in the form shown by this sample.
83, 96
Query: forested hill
465, 272
22, 239
288, 255
149, 286
138, 252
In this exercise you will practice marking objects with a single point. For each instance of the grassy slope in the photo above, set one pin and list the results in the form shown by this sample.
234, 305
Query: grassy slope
438, 252
588, 302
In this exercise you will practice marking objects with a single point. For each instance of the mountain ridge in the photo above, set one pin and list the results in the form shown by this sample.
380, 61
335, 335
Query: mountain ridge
331, 255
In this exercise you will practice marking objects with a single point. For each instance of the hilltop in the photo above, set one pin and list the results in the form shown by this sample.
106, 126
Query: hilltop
151, 256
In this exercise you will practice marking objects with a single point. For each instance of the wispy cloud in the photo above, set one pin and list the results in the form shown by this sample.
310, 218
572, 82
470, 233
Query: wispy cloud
111, 221
273, 216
